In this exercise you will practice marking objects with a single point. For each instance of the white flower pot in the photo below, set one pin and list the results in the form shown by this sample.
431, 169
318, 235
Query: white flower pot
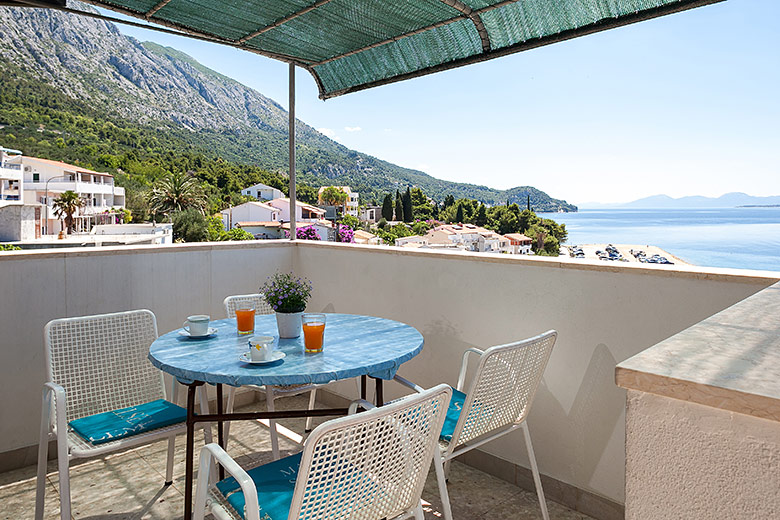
289, 324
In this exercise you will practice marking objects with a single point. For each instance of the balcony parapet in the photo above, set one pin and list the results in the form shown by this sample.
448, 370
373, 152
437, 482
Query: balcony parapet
730, 360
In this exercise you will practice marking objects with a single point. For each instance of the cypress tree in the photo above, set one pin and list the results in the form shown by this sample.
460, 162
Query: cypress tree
459, 214
399, 207
387, 207
407, 205
481, 218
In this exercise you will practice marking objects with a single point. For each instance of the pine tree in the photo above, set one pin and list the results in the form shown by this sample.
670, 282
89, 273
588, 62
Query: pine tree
407, 205
399, 207
387, 207
481, 218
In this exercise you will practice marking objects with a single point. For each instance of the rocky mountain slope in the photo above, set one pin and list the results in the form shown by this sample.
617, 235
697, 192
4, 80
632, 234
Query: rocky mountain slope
161, 88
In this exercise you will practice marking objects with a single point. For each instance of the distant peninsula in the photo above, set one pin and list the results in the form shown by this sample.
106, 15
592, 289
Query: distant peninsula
729, 200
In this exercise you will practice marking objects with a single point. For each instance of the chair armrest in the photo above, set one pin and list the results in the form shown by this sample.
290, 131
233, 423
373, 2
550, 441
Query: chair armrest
353, 406
464, 364
60, 401
417, 388
212, 452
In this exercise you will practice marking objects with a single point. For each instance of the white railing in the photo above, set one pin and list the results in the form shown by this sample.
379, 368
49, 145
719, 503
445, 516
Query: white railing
604, 314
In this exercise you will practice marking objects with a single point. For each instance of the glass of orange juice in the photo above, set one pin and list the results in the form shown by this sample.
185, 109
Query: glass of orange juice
313, 332
245, 320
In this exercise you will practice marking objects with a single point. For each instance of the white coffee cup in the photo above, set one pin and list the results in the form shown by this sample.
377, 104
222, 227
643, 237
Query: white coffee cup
260, 347
197, 325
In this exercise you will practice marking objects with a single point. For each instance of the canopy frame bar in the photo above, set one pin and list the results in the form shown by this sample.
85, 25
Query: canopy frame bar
475, 19
156, 8
282, 21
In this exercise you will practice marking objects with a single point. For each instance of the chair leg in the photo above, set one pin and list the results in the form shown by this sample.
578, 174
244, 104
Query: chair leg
269, 401
535, 471
418, 512
312, 399
43, 456
231, 401
63, 467
169, 465
441, 479
447, 465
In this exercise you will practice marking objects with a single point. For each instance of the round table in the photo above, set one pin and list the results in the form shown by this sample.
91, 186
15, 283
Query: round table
353, 346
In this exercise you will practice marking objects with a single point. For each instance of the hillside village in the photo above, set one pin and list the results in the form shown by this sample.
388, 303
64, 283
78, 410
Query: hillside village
32, 214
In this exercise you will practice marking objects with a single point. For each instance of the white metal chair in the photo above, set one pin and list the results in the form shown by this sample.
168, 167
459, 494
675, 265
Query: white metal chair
97, 364
365, 466
496, 402
257, 301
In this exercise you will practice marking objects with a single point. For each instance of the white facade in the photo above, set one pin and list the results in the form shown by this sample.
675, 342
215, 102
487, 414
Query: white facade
44, 180
303, 212
249, 212
262, 192
351, 205
11, 185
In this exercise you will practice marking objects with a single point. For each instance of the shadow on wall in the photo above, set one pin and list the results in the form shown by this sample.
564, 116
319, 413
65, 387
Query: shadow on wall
594, 414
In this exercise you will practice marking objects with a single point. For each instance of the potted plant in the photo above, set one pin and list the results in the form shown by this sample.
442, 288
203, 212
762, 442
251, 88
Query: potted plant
287, 295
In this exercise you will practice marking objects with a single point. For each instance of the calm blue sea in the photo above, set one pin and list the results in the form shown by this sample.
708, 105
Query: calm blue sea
745, 238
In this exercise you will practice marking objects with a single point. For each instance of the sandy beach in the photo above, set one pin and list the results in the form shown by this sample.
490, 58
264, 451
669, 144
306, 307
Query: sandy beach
623, 249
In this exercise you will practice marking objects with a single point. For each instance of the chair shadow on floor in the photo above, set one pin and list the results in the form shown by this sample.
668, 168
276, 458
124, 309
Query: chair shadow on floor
136, 514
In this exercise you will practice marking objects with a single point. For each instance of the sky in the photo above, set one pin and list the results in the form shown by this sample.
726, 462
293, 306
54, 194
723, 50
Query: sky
682, 105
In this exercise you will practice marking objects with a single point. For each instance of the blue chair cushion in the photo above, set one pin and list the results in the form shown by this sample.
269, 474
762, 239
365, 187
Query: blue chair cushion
275, 484
453, 414
117, 424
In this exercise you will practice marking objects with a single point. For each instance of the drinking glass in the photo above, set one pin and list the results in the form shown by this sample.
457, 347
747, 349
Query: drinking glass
245, 320
313, 332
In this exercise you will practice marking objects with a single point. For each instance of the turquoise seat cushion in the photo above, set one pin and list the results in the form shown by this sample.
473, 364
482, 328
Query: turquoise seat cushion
117, 424
453, 414
275, 484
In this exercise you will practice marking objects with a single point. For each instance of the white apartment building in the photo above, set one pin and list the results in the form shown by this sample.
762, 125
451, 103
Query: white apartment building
44, 181
303, 212
11, 186
351, 206
466, 237
255, 212
262, 192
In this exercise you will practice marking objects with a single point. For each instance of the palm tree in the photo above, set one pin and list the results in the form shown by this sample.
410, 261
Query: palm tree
66, 206
176, 191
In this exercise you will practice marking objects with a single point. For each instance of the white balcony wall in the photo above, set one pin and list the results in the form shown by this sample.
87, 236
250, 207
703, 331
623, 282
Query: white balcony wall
604, 314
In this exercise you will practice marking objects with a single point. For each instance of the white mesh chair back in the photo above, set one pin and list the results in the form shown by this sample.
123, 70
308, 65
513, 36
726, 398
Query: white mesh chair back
257, 301
503, 386
373, 464
101, 361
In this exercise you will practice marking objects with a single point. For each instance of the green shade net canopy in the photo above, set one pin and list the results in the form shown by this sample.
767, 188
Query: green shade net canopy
350, 45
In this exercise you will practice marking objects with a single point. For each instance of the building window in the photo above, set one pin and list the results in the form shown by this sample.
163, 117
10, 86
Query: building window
36, 177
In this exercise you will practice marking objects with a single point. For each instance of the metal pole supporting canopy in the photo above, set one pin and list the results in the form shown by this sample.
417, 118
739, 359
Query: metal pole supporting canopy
291, 126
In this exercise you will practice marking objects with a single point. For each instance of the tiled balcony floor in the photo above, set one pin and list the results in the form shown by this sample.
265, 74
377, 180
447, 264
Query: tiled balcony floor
129, 485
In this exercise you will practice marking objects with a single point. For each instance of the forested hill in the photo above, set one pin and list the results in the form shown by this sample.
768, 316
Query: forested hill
58, 69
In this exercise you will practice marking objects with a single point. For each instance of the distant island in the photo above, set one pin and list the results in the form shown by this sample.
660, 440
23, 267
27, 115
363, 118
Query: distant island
729, 200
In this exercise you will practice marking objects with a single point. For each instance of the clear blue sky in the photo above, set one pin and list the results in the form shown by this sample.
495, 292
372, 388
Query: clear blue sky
687, 104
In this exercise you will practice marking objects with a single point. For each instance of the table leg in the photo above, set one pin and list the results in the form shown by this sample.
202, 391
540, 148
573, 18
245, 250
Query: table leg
190, 456
380, 394
363, 387
220, 428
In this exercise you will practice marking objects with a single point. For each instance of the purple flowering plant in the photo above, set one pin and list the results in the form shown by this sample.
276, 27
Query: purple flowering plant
286, 293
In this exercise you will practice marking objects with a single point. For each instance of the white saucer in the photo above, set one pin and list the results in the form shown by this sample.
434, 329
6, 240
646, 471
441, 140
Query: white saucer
276, 355
186, 334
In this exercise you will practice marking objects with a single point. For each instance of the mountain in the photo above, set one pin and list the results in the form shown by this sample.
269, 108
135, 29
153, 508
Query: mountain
145, 89
729, 200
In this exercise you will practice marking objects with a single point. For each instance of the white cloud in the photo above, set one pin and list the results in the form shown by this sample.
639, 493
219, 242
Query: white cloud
352, 128
329, 132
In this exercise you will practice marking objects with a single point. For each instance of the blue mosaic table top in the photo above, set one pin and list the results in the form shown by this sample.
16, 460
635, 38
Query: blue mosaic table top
353, 346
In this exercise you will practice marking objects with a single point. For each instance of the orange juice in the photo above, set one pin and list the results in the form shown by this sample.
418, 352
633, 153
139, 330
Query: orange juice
245, 321
313, 334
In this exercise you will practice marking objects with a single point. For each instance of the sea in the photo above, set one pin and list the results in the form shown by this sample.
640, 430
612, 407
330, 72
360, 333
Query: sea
743, 238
